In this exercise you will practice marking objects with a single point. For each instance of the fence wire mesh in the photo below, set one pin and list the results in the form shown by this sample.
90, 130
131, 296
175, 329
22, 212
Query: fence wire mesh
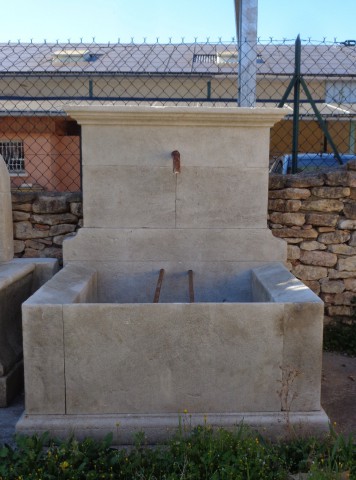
41, 144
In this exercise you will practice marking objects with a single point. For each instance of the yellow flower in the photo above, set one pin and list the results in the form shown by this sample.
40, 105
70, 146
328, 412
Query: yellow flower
64, 465
185, 411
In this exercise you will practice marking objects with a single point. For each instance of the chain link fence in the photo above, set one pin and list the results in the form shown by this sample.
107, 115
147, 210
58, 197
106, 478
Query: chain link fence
41, 144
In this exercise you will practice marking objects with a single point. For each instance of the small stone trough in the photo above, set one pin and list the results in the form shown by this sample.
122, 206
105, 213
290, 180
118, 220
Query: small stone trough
174, 297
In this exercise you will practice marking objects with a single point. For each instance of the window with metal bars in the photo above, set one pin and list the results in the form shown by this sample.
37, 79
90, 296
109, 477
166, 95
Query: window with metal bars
13, 154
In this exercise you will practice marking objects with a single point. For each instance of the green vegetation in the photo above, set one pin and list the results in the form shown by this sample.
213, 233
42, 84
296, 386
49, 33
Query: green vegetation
203, 454
340, 337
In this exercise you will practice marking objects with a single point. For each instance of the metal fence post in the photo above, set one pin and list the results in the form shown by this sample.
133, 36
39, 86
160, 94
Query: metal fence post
296, 100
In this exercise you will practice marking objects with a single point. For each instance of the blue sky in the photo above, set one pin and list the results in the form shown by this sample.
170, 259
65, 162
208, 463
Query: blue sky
108, 20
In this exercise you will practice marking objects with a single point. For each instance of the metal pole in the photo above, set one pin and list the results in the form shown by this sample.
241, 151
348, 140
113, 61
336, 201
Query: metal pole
246, 26
296, 100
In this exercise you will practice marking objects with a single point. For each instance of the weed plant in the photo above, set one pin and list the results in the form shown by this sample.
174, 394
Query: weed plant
202, 453
340, 337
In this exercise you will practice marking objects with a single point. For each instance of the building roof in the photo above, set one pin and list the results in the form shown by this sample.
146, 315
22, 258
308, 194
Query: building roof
195, 58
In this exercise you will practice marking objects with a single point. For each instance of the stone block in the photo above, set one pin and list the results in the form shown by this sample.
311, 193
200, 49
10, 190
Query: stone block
219, 198
344, 298
350, 210
19, 246
351, 165
325, 205
324, 259
61, 229
43, 358
347, 224
326, 229
20, 216
334, 237
50, 204
329, 286
331, 192
303, 325
288, 218
276, 205
34, 245
314, 286
276, 182
312, 245
352, 241
54, 219
25, 230
334, 274
293, 205
293, 252
58, 240
342, 249
18, 197
76, 208
348, 264
322, 219
175, 337
339, 311
24, 207
290, 232
290, 193
350, 284
304, 181
337, 177
306, 272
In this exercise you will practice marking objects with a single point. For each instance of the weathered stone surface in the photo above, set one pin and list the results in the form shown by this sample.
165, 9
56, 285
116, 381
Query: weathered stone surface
348, 264
76, 208
322, 219
325, 205
334, 274
350, 210
25, 230
277, 205
351, 165
19, 246
324, 259
34, 245
80, 222
62, 229
328, 286
74, 197
314, 285
293, 241
337, 178
347, 224
288, 218
54, 219
342, 249
352, 241
328, 298
275, 225
334, 237
293, 193
350, 284
312, 245
24, 207
345, 298
339, 311
22, 197
50, 204
331, 192
58, 240
276, 182
306, 272
353, 193
293, 205
307, 226
291, 232
20, 216
326, 229
293, 252
304, 181
52, 252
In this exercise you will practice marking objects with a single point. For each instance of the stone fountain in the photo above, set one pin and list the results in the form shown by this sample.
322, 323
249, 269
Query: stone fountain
174, 297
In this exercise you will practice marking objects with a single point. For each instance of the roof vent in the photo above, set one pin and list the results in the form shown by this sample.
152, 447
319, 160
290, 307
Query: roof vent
227, 58
72, 55
204, 58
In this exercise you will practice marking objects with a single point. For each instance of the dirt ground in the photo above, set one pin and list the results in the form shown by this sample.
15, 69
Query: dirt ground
338, 391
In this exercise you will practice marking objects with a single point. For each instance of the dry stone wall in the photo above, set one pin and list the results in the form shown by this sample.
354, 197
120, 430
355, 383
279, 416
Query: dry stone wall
42, 221
316, 215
